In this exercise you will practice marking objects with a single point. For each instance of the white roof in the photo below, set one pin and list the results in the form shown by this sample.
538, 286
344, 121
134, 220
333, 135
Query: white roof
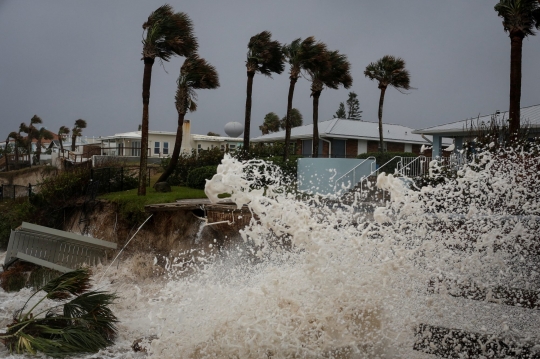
353, 129
215, 138
529, 115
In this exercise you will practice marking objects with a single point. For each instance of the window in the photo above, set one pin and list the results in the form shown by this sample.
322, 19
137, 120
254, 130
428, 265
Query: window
223, 147
232, 147
165, 148
156, 148
136, 148
199, 148
120, 149
338, 148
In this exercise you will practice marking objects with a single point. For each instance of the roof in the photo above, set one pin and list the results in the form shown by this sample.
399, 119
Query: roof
353, 129
215, 138
137, 135
529, 115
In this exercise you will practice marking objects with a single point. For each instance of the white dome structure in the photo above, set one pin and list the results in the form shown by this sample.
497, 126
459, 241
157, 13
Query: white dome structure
234, 129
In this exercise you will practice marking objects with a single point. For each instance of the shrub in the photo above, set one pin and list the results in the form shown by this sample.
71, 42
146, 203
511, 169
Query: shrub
198, 176
189, 162
384, 157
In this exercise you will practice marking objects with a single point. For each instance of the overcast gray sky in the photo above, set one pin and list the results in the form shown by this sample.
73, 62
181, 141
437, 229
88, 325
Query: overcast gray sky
66, 59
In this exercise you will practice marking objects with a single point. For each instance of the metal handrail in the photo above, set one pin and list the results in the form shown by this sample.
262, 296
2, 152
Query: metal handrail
377, 170
401, 169
354, 171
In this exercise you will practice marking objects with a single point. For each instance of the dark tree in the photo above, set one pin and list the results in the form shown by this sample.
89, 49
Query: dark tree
42, 134
167, 34
213, 134
270, 124
388, 71
300, 55
63, 132
295, 118
195, 74
333, 71
341, 113
520, 18
76, 131
265, 57
353, 107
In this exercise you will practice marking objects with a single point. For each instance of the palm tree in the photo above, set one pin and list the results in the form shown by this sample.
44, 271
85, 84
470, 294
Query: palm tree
388, 71
76, 131
16, 138
270, 123
30, 130
195, 74
520, 17
167, 34
266, 57
332, 71
300, 55
42, 134
63, 132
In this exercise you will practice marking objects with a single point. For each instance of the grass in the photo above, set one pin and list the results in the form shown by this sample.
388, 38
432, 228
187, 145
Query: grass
131, 206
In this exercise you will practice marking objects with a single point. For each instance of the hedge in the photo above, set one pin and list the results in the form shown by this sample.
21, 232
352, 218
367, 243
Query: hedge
197, 177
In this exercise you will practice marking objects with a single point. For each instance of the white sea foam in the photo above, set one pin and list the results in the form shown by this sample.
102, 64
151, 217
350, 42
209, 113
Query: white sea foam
312, 280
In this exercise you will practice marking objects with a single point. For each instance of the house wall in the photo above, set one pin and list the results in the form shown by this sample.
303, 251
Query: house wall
161, 138
351, 148
325, 149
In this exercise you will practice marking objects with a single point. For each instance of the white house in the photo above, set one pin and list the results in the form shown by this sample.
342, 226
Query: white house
161, 143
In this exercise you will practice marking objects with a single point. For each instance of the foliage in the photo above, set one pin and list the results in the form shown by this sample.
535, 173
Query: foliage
519, 16
195, 74
12, 213
270, 124
167, 34
197, 177
213, 134
296, 119
80, 322
340, 113
389, 71
113, 179
264, 56
189, 161
353, 107
383, 157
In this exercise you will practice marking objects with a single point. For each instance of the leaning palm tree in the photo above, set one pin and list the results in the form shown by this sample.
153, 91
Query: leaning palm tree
300, 55
332, 71
195, 74
167, 34
30, 130
76, 131
13, 135
520, 17
42, 134
388, 71
266, 57
63, 132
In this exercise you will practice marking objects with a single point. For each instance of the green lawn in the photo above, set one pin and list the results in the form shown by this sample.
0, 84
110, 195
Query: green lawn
131, 206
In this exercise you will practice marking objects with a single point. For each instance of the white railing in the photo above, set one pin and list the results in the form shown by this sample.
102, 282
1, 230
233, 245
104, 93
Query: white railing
352, 173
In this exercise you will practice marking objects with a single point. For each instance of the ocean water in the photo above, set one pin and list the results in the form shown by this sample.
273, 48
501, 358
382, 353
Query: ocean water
317, 280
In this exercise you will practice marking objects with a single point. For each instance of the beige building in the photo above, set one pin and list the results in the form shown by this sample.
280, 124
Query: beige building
161, 143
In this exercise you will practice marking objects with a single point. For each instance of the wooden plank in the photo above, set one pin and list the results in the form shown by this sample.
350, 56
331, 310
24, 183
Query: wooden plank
456, 343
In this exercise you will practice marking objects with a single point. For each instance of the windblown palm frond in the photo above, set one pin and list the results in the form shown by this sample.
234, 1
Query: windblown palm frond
167, 34
264, 55
82, 321
519, 15
389, 71
195, 74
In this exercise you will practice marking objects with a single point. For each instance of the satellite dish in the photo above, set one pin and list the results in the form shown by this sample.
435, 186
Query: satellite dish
234, 129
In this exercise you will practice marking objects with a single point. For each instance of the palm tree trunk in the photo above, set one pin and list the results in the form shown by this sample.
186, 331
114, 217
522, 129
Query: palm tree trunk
17, 150
316, 96
247, 124
147, 78
60, 139
176, 152
381, 103
73, 141
288, 119
515, 82
6, 154
38, 150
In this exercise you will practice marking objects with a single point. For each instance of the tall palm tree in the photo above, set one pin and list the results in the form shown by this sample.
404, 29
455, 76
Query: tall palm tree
300, 55
520, 17
42, 134
15, 136
167, 34
332, 71
388, 71
195, 74
265, 57
76, 131
63, 132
